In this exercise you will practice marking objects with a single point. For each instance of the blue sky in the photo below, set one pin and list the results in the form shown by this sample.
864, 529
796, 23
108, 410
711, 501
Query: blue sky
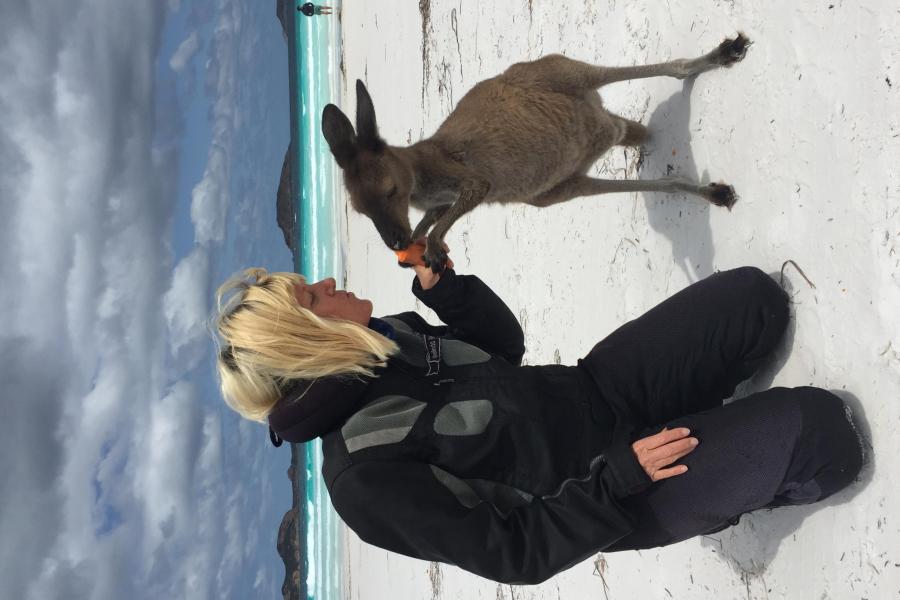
140, 149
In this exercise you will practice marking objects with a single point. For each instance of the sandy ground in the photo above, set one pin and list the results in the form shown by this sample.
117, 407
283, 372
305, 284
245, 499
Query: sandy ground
807, 129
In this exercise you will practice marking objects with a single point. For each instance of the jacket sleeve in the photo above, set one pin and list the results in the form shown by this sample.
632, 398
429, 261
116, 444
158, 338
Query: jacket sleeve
474, 314
404, 508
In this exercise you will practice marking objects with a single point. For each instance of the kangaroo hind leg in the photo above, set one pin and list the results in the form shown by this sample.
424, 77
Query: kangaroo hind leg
569, 76
719, 194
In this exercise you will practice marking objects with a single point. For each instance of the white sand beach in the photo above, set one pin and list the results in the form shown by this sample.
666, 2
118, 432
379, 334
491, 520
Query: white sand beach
806, 128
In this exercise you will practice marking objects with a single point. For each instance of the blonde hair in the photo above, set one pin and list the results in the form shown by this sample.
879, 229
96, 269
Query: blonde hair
268, 340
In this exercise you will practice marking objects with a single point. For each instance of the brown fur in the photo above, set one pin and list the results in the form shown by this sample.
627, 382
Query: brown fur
528, 135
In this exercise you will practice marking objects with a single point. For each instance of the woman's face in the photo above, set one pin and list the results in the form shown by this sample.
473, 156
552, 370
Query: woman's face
325, 301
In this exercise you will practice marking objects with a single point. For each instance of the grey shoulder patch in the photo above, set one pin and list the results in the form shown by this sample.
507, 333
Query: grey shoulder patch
455, 353
466, 417
463, 492
385, 420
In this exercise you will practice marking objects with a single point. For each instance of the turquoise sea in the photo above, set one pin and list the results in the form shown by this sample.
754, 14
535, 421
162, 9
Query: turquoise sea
314, 55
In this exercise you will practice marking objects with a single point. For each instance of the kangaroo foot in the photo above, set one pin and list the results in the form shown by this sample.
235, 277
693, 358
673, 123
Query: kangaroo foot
721, 194
732, 51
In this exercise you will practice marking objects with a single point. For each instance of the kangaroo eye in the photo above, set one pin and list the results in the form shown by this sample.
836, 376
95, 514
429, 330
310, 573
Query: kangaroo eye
393, 192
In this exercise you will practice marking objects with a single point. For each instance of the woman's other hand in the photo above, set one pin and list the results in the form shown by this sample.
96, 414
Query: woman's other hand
656, 452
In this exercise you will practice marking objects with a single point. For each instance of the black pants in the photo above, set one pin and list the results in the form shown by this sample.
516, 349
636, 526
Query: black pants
675, 365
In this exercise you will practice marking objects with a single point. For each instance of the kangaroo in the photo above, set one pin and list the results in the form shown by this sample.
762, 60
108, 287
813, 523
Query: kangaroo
527, 135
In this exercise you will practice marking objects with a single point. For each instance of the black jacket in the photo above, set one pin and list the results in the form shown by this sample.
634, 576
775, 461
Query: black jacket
456, 453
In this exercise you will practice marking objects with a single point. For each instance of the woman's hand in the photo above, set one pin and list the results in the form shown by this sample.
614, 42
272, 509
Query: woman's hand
656, 452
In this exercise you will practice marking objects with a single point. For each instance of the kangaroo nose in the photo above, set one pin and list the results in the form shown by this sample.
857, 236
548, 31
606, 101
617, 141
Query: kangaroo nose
395, 239
398, 241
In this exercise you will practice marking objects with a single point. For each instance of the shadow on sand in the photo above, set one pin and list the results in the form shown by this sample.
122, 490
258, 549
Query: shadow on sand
682, 218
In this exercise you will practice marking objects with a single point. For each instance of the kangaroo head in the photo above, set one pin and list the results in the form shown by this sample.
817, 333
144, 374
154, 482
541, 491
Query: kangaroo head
379, 182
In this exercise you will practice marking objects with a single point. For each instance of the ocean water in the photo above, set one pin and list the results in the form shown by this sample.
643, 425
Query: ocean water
314, 55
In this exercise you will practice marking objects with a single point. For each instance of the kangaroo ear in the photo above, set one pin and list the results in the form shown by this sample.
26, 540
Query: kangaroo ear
366, 126
338, 131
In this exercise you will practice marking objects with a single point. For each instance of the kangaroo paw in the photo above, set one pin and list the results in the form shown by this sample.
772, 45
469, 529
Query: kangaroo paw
721, 194
733, 50
435, 258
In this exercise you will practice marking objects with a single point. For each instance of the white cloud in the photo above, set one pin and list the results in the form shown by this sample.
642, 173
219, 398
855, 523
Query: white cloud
186, 306
203, 556
209, 199
166, 453
261, 577
185, 52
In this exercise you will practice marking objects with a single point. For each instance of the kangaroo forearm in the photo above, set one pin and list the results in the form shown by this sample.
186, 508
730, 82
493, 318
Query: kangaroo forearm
471, 194
430, 218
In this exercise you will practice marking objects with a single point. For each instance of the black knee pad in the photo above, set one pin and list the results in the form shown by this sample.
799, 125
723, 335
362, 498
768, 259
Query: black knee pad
829, 449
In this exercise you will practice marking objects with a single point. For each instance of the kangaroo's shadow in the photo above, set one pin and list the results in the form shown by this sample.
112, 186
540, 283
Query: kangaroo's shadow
680, 217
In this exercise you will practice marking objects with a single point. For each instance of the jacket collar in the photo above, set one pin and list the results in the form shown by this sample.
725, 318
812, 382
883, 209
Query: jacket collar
382, 327
310, 409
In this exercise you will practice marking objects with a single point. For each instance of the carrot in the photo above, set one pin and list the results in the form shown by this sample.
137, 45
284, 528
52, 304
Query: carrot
412, 255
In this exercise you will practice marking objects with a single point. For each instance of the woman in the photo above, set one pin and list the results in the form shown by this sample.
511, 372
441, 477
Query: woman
439, 445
